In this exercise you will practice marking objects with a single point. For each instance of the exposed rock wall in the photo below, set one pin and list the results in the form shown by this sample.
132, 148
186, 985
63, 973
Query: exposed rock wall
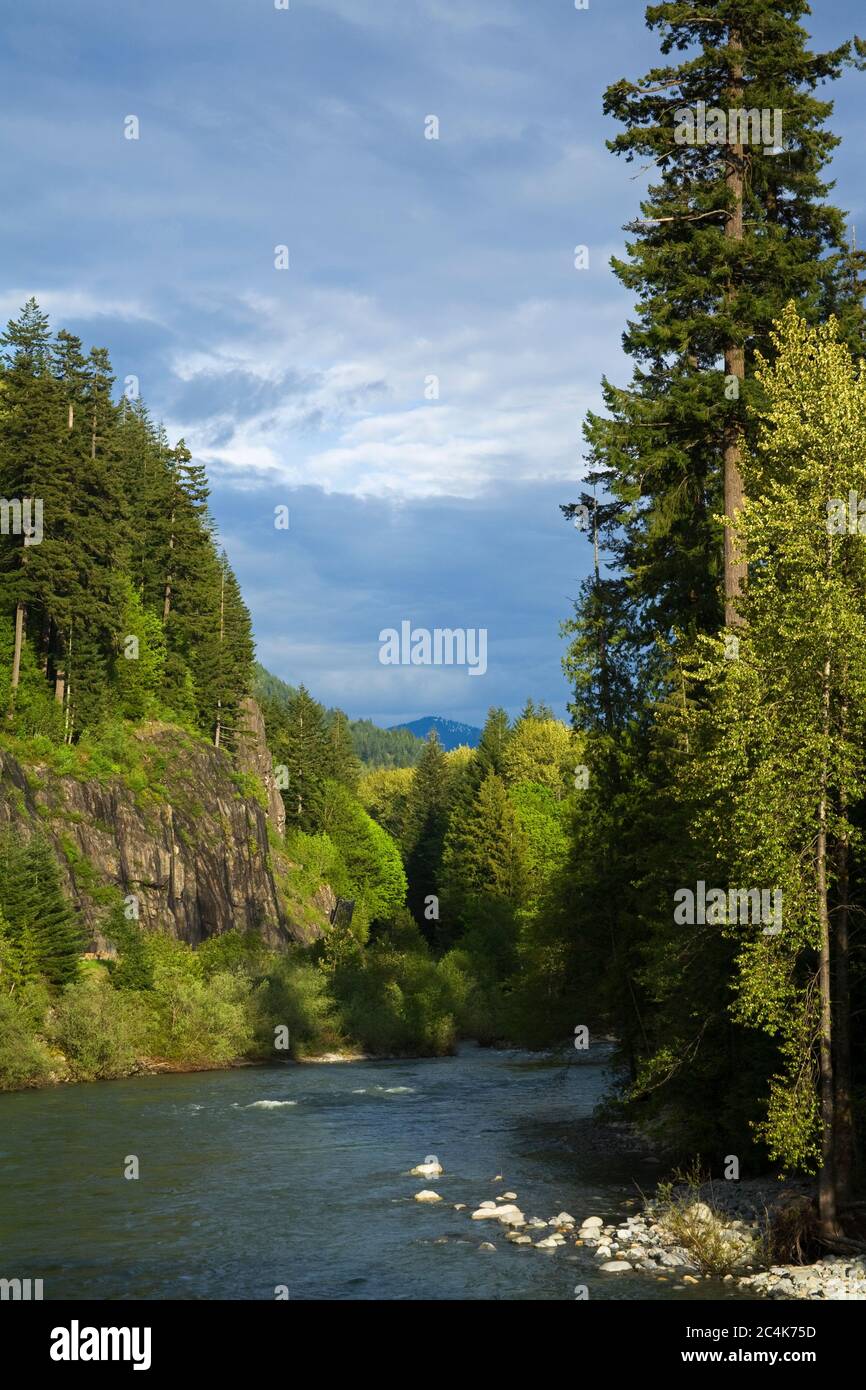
253, 756
184, 838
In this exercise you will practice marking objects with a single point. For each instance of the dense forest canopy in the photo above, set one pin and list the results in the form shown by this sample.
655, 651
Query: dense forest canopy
124, 604
119, 611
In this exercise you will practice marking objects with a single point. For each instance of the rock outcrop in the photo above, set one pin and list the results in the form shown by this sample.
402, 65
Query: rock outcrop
182, 831
253, 757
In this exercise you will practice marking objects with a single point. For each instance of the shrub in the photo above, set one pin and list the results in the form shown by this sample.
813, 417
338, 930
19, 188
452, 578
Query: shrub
685, 1209
294, 995
100, 1030
24, 1058
199, 1021
396, 1004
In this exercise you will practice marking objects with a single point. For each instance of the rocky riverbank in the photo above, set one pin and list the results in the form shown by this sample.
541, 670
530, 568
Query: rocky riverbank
720, 1228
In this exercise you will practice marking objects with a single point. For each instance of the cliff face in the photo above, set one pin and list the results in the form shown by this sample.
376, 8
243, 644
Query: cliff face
185, 834
253, 756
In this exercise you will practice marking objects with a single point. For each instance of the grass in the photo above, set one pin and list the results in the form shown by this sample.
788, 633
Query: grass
685, 1209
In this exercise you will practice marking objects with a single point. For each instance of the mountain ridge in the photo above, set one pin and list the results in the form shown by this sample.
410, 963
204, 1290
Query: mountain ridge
452, 733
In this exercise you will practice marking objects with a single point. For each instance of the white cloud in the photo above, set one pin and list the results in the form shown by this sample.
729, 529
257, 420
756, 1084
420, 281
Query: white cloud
65, 304
514, 386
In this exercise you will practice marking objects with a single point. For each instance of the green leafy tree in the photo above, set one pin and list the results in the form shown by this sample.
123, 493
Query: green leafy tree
776, 758
371, 858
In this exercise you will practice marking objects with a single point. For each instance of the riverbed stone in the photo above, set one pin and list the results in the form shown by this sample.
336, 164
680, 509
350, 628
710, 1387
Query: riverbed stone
427, 1196
615, 1267
426, 1170
508, 1214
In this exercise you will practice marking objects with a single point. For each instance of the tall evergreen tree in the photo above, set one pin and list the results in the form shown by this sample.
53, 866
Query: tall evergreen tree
426, 824
303, 749
730, 229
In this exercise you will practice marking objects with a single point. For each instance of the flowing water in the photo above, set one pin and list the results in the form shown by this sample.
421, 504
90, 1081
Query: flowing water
296, 1176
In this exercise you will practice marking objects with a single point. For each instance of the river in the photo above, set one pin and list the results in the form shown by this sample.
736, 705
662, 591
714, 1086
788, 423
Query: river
295, 1176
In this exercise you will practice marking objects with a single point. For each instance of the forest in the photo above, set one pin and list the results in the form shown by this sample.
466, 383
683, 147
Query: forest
716, 657
126, 614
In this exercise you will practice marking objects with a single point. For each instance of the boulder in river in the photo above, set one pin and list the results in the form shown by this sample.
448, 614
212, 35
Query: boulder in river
427, 1196
615, 1266
430, 1168
508, 1214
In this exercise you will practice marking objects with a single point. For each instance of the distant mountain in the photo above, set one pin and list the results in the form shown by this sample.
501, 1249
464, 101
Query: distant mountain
450, 732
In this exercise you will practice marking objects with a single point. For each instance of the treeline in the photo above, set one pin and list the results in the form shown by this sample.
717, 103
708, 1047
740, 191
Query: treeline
115, 599
455, 861
716, 651
373, 746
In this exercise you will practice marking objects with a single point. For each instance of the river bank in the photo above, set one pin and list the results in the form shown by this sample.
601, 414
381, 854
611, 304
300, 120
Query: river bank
727, 1225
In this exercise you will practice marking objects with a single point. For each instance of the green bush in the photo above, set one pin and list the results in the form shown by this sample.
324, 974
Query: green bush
99, 1030
195, 1019
396, 1005
24, 1058
294, 995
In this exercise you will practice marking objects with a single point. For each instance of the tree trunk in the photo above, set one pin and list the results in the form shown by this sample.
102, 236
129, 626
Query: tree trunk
735, 566
845, 1144
20, 611
218, 733
844, 1138
166, 603
827, 1176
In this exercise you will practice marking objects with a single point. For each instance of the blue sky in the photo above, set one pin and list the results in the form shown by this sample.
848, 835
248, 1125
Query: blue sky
408, 258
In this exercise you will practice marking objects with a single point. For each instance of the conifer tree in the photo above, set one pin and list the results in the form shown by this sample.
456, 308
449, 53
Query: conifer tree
426, 824
303, 749
484, 857
41, 923
730, 229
